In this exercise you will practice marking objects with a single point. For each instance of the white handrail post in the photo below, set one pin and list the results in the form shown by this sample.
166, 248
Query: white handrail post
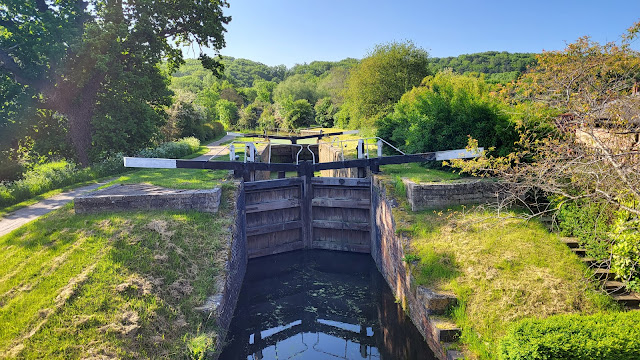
249, 152
360, 149
232, 153
380, 148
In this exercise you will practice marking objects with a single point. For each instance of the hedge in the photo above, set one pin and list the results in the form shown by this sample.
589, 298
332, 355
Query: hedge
602, 336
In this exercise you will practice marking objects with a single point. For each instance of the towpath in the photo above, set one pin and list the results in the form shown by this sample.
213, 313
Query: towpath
15, 219
216, 148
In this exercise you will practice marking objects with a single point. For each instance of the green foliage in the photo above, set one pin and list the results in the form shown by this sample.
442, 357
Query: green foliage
188, 119
625, 251
297, 87
600, 336
442, 114
173, 149
267, 119
231, 94
325, 112
299, 114
436, 266
213, 130
228, 113
73, 55
264, 90
244, 73
249, 116
199, 346
590, 222
53, 175
490, 62
208, 98
319, 68
381, 79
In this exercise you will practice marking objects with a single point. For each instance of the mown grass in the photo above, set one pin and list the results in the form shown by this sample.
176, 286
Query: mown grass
501, 268
419, 174
175, 178
111, 285
49, 179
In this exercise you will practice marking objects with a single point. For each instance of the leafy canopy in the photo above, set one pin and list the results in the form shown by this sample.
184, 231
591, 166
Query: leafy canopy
381, 79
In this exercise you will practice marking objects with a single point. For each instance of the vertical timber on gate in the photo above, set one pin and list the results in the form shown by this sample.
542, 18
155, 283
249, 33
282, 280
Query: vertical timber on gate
274, 216
341, 214
306, 172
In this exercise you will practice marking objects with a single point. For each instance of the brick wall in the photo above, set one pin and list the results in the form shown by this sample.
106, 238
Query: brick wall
440, 195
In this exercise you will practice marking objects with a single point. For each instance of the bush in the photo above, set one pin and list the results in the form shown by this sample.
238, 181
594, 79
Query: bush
443, 112
589, 221
58, 174
213, 130
173, 150
600, 336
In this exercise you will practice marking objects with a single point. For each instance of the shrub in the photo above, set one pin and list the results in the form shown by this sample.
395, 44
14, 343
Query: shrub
213, 130
54, 175
173, 150
443, 112
600, 336
589, 221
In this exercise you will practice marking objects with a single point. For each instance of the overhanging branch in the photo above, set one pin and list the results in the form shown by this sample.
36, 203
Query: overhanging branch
9, 64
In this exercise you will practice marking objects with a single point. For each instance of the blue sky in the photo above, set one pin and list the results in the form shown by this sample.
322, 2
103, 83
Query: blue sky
296, 31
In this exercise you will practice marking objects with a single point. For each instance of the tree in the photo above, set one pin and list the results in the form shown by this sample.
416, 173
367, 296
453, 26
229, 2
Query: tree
443, 112
232, 95
62, 53
381, 79
264, 90
228, 113
325, 112
297, 87
299, 114
594, 160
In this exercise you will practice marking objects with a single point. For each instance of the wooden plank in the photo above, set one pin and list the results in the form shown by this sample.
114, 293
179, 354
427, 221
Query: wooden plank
332, 245
340, 203
332, 181
271, 184
155, 163
341, 225
297, 245
458, 154
272, 205
264, 229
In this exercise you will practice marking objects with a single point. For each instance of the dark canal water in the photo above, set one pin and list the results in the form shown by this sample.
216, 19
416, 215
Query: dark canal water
318, 304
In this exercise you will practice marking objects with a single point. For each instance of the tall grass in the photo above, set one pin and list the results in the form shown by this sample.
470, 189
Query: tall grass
58, 174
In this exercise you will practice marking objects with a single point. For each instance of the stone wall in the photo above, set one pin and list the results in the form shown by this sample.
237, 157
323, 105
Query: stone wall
235, 269
440, 195
147, 197
388, 250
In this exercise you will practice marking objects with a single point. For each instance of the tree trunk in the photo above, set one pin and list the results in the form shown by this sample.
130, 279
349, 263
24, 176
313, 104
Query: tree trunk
78, 105
79, 116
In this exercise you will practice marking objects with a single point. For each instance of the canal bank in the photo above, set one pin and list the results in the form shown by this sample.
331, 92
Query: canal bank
385, 248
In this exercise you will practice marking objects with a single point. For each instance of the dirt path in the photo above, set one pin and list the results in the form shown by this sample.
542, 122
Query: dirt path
215, 148
14, 220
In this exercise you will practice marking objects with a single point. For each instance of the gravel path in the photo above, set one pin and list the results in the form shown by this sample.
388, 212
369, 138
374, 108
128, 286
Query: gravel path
216, 149
14, 220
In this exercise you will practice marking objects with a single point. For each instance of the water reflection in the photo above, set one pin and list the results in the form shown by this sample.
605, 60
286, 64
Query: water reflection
319, 304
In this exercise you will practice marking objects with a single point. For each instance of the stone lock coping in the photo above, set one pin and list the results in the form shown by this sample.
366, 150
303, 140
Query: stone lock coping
121, 197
